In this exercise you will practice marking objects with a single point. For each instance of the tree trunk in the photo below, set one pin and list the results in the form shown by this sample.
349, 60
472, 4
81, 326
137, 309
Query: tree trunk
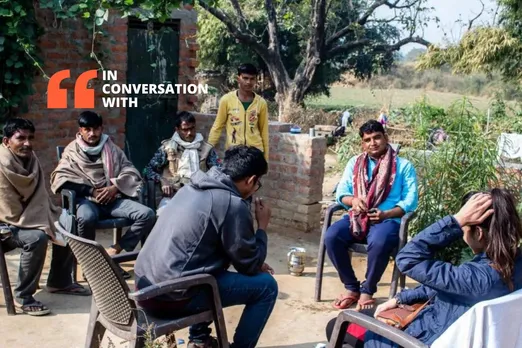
289, 103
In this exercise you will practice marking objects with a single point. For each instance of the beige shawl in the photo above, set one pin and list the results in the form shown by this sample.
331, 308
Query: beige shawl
25, 202
112, 167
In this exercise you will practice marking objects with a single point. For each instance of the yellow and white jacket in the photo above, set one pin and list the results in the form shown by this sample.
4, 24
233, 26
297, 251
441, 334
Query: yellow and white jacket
243, 127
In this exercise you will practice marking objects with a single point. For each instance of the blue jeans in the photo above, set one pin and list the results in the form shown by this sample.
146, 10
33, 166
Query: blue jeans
382, 238
258, 293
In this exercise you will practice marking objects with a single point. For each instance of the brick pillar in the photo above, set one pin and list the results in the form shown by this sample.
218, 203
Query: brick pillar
188, 61
294, 184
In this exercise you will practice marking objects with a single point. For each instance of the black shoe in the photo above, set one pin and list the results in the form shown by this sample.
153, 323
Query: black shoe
124, 273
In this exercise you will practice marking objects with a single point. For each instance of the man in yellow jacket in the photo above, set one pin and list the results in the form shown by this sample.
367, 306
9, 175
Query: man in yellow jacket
244, 114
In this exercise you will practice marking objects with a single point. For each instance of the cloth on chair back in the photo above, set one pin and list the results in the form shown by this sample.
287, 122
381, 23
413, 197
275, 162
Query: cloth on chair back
493, 323
25, 201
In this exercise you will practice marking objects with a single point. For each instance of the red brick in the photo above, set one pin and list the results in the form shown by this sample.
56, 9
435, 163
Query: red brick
55, 55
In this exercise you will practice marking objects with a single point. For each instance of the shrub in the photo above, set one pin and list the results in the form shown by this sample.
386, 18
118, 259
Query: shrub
467, 161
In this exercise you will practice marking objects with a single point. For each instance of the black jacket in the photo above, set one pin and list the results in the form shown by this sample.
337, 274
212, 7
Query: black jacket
205, 228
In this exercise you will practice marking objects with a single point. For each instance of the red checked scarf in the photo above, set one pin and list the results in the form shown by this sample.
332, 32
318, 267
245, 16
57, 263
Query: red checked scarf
375, 191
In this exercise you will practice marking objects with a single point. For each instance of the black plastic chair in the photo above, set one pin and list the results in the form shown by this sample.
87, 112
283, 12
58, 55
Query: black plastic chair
362, 249
115, 308
395, 335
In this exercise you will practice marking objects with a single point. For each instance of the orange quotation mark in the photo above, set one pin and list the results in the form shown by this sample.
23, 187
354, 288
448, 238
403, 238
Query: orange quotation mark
83, 96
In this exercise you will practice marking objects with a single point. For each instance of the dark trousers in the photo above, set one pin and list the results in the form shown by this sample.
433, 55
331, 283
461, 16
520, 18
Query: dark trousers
34, 248
89, 213
381, 239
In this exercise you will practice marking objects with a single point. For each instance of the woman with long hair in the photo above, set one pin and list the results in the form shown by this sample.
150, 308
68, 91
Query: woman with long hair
490, 225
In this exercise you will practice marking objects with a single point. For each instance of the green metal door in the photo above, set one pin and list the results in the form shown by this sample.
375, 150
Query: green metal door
153, 56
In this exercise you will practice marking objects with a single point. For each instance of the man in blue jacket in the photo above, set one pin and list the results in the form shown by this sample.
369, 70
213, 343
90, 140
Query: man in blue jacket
206, 228
378, 187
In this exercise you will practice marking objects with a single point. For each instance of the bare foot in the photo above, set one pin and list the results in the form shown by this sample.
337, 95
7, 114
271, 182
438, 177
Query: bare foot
345, 301
114, 250
365, 302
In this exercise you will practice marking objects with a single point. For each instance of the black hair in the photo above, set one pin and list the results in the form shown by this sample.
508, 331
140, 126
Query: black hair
184, 116
371, 126
502, 232
247, 68
16, 124
89, 119
244, 161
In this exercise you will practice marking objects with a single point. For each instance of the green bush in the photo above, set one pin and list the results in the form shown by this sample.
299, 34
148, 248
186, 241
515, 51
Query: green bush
466, 162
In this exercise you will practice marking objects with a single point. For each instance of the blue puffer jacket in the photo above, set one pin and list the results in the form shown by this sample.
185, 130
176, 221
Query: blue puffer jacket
455, 289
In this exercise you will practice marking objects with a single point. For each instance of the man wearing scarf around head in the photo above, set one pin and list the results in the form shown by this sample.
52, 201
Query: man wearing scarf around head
179, 157
378, 187
105, 181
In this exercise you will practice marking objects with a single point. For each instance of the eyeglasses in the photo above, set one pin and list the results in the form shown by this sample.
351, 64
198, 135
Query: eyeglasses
259, 185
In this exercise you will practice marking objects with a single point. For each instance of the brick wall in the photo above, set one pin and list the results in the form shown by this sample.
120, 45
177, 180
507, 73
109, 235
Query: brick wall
66, 44
294, 184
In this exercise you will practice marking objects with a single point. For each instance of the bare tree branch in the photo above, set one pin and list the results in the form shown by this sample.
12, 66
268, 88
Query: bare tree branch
397, 46
349, 46
356, 45
477, 16
366, 17
240, 15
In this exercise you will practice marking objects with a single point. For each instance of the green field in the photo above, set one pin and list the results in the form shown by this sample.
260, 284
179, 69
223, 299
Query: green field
342, 97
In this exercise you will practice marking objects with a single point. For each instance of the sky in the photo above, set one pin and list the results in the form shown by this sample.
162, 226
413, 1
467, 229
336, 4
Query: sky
449, 12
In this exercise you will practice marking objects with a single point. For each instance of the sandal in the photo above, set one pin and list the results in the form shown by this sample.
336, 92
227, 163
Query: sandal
345, 301
35, 308
362, 304
73, 289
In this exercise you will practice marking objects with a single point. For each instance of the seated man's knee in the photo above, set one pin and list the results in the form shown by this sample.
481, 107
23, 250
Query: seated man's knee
271, 286
86, 218
331, 237
37, 240
382, 245
147, 215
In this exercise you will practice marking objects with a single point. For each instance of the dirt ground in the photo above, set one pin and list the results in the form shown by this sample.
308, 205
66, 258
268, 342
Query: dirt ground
297, 320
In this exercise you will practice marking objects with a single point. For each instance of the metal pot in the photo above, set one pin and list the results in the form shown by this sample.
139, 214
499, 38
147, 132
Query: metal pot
296, 258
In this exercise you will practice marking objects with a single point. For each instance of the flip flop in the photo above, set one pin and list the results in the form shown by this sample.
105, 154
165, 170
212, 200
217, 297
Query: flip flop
360, 304
35, 308
73, 289
345, 301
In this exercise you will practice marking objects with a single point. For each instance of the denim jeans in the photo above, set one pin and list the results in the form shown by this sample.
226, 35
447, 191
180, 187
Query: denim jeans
258, 293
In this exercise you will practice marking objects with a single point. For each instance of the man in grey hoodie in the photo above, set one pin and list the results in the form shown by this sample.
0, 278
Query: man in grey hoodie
205, 228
